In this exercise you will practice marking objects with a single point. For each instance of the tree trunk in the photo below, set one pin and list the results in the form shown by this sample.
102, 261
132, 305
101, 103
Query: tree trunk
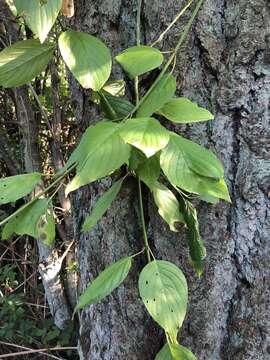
224, 67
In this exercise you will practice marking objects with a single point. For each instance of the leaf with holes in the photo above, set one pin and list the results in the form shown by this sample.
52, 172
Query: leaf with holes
87, 57
168, 206
100, 152
182, 110
25, 223
114, 107
102, 205
39, 17
21, 62
145, 134
175, 352
105, 283
158, 96
196, 246
13, 188
138, 60
46, 227
163, 289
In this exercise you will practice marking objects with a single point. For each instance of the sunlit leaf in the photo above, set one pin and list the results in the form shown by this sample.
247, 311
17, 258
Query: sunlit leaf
175, 352
13, 188
196, 246
25, 223
168, 206
138, 60
87, 57
23, 61
100, 152
163, 289
105, 283
182, 110
158, 96
115, 87
145, 134
39, 17
102, 206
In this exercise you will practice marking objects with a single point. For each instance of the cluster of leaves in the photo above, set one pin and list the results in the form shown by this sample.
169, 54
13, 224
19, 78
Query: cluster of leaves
130, 136
17, 322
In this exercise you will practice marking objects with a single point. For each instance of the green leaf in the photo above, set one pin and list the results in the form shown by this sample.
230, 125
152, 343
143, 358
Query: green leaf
163, 289
145, 134
105, 283
100, 152
87, 57
196, 246
168, 206
25, 223
114, 107
39, 17
138, 60
13, 188
184, 153
158, 96
46, 227
115, 87
23, 61
182, 110
193, 168
102, 205
175, 352
148, 170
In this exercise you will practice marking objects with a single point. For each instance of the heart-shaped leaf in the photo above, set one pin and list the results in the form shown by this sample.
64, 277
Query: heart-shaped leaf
87, 57
138, 60
40, 17
145, 134
163, 289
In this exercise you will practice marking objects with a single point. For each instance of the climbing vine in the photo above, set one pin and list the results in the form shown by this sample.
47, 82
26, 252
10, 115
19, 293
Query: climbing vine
131, 137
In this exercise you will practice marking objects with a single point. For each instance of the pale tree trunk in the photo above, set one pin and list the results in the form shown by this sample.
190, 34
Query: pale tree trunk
225, 66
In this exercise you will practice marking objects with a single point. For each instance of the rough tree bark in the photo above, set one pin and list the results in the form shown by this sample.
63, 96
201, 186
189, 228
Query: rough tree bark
225, 67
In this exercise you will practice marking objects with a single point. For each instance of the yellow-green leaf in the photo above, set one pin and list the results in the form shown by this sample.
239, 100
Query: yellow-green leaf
40, 17
13, 188
138, 60
163, 289
23, 61
182, 110
87, 57
145, 134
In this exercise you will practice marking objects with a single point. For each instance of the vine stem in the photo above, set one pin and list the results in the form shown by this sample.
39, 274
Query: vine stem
137, 99
180, 42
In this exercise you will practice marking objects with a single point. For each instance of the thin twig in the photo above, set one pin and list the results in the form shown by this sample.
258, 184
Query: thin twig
34, 351
181, 12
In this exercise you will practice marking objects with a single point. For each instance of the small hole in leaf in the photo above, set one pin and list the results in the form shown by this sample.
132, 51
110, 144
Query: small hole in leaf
156, 274
154, 299
146, 282
171, 310
5, 185
147, 301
